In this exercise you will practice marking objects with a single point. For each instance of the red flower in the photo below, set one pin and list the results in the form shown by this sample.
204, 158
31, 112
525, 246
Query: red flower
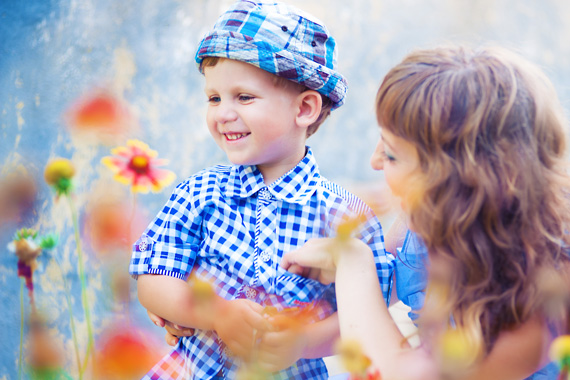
136, 165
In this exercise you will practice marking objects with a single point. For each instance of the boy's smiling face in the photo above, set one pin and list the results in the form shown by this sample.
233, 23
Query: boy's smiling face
253, 119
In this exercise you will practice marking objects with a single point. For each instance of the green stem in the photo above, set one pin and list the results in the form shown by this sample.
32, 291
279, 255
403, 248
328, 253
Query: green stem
83, 282
20, 363
129, 234
71, 319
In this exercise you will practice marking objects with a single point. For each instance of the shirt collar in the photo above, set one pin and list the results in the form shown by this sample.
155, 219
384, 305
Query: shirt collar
295, 186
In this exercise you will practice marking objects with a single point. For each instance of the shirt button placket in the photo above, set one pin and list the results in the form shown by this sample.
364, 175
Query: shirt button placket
265, 237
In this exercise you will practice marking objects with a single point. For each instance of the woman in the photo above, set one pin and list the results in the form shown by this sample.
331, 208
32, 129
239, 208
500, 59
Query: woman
474, 145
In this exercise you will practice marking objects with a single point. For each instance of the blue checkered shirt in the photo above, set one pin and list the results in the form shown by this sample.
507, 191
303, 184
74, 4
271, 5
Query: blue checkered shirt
228, 227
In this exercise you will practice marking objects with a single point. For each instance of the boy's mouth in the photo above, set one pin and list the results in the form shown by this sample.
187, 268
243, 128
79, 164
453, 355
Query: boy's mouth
235, 136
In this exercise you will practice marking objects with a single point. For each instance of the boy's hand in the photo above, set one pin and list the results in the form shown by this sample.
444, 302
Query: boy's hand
239, 323
173, 332
281, 348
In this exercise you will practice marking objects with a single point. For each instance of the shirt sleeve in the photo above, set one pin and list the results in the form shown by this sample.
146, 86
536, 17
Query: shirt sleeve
411, 273
371, 233
170, 244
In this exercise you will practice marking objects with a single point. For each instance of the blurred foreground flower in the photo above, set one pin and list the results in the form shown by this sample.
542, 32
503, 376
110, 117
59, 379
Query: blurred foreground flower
136, 165
17, 195
291, 317
456, 352
101, 115
347, 227
58, 174
27, 248
355, 361
108, 226
560, 353
125, 353
202, 290
27, 251
45, 355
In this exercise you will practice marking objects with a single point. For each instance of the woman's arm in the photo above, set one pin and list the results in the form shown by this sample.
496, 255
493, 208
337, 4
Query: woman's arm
363, 316
517, 354
362, 311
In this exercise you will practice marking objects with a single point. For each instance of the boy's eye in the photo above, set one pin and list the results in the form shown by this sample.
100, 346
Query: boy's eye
213, 99
245, 98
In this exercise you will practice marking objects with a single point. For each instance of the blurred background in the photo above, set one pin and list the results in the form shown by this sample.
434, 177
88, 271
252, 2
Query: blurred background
80, 78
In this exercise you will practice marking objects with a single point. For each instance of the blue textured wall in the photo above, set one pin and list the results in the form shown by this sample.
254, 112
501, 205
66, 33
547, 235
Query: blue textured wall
54, 51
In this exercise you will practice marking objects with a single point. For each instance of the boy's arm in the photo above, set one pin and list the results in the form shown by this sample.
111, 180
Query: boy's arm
236, 322
322, 337
172, 299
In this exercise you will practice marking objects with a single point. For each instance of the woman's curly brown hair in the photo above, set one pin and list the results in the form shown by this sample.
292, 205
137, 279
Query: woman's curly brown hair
493, 199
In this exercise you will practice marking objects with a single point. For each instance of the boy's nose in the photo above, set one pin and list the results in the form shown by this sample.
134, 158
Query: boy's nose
377, 160
225, 113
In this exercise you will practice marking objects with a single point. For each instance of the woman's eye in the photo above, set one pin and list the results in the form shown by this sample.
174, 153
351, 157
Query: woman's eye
387, 156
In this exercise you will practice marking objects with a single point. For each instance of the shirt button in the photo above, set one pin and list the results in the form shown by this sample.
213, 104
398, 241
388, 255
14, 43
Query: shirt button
250, 293
227, 352
142, 246
266, 255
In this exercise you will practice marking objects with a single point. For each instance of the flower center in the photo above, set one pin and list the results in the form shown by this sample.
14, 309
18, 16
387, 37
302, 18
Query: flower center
139, 164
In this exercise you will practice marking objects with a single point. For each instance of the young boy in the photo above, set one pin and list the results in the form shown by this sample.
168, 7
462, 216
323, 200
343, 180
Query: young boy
270, 81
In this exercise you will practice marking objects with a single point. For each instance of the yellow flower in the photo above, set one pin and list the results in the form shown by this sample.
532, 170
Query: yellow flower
136, 165
560, 350
457, 352
58, 173
348, 226
202, 290
353, 358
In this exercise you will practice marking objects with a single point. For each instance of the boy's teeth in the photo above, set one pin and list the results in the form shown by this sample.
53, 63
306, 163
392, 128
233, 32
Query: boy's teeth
235, 137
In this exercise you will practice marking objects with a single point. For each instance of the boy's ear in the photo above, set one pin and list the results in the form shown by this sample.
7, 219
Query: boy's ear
309, 107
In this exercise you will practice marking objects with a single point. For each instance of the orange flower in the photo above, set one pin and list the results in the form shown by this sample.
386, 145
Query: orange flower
44, 351
292, 317
100, 113
111, 226
125, 353
136, 165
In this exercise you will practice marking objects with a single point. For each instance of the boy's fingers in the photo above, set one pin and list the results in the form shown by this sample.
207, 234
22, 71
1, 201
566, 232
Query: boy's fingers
179, 330
156, 319
171, 340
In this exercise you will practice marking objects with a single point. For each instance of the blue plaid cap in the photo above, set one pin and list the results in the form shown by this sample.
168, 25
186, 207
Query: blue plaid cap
280, 39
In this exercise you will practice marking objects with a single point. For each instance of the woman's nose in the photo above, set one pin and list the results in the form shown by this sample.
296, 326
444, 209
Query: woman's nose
377, 159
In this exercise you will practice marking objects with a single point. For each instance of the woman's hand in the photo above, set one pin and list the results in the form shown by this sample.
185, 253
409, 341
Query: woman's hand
318, 258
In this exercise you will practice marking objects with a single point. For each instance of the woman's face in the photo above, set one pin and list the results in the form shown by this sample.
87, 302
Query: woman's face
400, 162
